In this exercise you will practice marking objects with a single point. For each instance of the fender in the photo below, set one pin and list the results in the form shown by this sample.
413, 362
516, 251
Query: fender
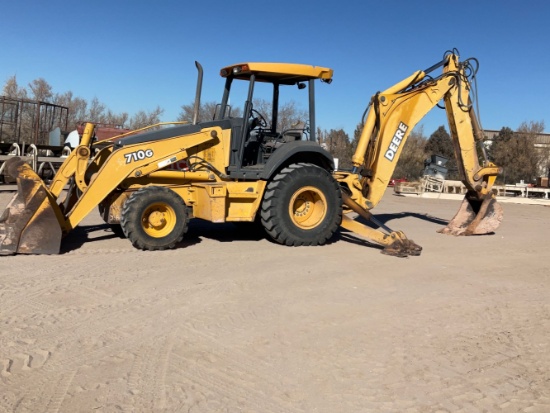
297, 151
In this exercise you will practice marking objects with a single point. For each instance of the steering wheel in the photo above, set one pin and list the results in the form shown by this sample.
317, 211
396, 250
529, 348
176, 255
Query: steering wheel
258, 119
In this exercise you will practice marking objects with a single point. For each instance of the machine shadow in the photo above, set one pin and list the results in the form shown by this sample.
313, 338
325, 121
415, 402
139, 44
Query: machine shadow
350, 237
225, 232
198, 229
82, 234
384, 218
233, 232
228, 232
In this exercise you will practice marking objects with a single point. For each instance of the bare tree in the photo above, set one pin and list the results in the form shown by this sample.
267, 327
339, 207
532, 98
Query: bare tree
79, 111
96, 111
289, 114
77, 108
12, 89
207, 111
41, 90
117, 119
9, 114
143, 119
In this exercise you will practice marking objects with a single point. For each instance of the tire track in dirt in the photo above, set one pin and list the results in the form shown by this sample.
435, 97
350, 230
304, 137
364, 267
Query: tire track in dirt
490, 354
209, 365
147, 378
479, 357
229, 388
60, 392
11, 305
131, 324
148, 360
249, 371
115, 310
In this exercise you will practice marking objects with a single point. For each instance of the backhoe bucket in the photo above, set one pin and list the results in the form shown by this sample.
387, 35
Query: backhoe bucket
30, 224
475, 217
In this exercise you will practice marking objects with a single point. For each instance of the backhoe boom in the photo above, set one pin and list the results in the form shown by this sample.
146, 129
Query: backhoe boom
391, 117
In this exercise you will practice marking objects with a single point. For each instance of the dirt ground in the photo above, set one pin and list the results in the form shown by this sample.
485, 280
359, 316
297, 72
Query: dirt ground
231, 322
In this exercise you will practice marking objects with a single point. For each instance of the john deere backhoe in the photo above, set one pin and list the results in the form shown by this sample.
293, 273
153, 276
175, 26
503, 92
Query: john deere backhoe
243, 169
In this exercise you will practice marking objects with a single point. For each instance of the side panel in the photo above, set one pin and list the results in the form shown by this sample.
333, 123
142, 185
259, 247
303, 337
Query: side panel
244, 200
223, 201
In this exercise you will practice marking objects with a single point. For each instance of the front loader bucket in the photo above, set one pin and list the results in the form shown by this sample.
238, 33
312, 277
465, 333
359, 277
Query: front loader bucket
475, 217
30, 224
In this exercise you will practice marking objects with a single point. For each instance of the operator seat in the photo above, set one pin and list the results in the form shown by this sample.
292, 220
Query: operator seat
295, 132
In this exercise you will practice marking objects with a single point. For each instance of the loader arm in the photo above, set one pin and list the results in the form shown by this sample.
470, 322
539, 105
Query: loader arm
132, 161
36, 218
391, 117
75, 165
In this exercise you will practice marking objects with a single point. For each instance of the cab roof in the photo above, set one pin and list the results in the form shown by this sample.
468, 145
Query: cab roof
283, 73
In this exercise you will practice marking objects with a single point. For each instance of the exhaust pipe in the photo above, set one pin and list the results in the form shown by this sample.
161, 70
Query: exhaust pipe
198, 94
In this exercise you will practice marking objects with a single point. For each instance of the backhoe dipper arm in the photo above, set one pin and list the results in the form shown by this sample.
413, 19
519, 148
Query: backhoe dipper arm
391, 117
394, 113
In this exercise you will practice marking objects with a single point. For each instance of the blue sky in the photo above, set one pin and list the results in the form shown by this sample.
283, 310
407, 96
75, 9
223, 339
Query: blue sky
137, 55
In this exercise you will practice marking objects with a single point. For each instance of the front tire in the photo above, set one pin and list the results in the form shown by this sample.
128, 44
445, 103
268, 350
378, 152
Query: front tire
154, 218
302, 205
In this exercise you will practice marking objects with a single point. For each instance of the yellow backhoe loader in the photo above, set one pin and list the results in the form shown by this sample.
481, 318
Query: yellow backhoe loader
244, 169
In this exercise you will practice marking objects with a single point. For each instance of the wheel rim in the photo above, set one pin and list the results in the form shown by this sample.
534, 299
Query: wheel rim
307, 207
158, 220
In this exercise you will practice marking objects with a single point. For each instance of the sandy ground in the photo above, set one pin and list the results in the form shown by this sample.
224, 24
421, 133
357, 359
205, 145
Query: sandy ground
230, 322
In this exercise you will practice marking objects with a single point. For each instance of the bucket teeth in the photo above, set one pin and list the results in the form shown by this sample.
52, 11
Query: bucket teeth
402, 248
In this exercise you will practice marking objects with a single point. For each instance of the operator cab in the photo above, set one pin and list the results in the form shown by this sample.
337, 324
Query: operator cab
261, 134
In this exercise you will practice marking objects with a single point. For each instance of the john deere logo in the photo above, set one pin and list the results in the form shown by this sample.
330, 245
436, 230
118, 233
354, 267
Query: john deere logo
396, 141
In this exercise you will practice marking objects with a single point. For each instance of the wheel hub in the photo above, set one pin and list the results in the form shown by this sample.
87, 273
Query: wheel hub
307, 207
158, 220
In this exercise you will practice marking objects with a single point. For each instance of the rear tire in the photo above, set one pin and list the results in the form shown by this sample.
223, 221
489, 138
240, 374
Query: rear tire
154, 218
302, 205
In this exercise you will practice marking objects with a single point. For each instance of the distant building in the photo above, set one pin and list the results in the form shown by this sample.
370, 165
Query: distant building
542, 141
